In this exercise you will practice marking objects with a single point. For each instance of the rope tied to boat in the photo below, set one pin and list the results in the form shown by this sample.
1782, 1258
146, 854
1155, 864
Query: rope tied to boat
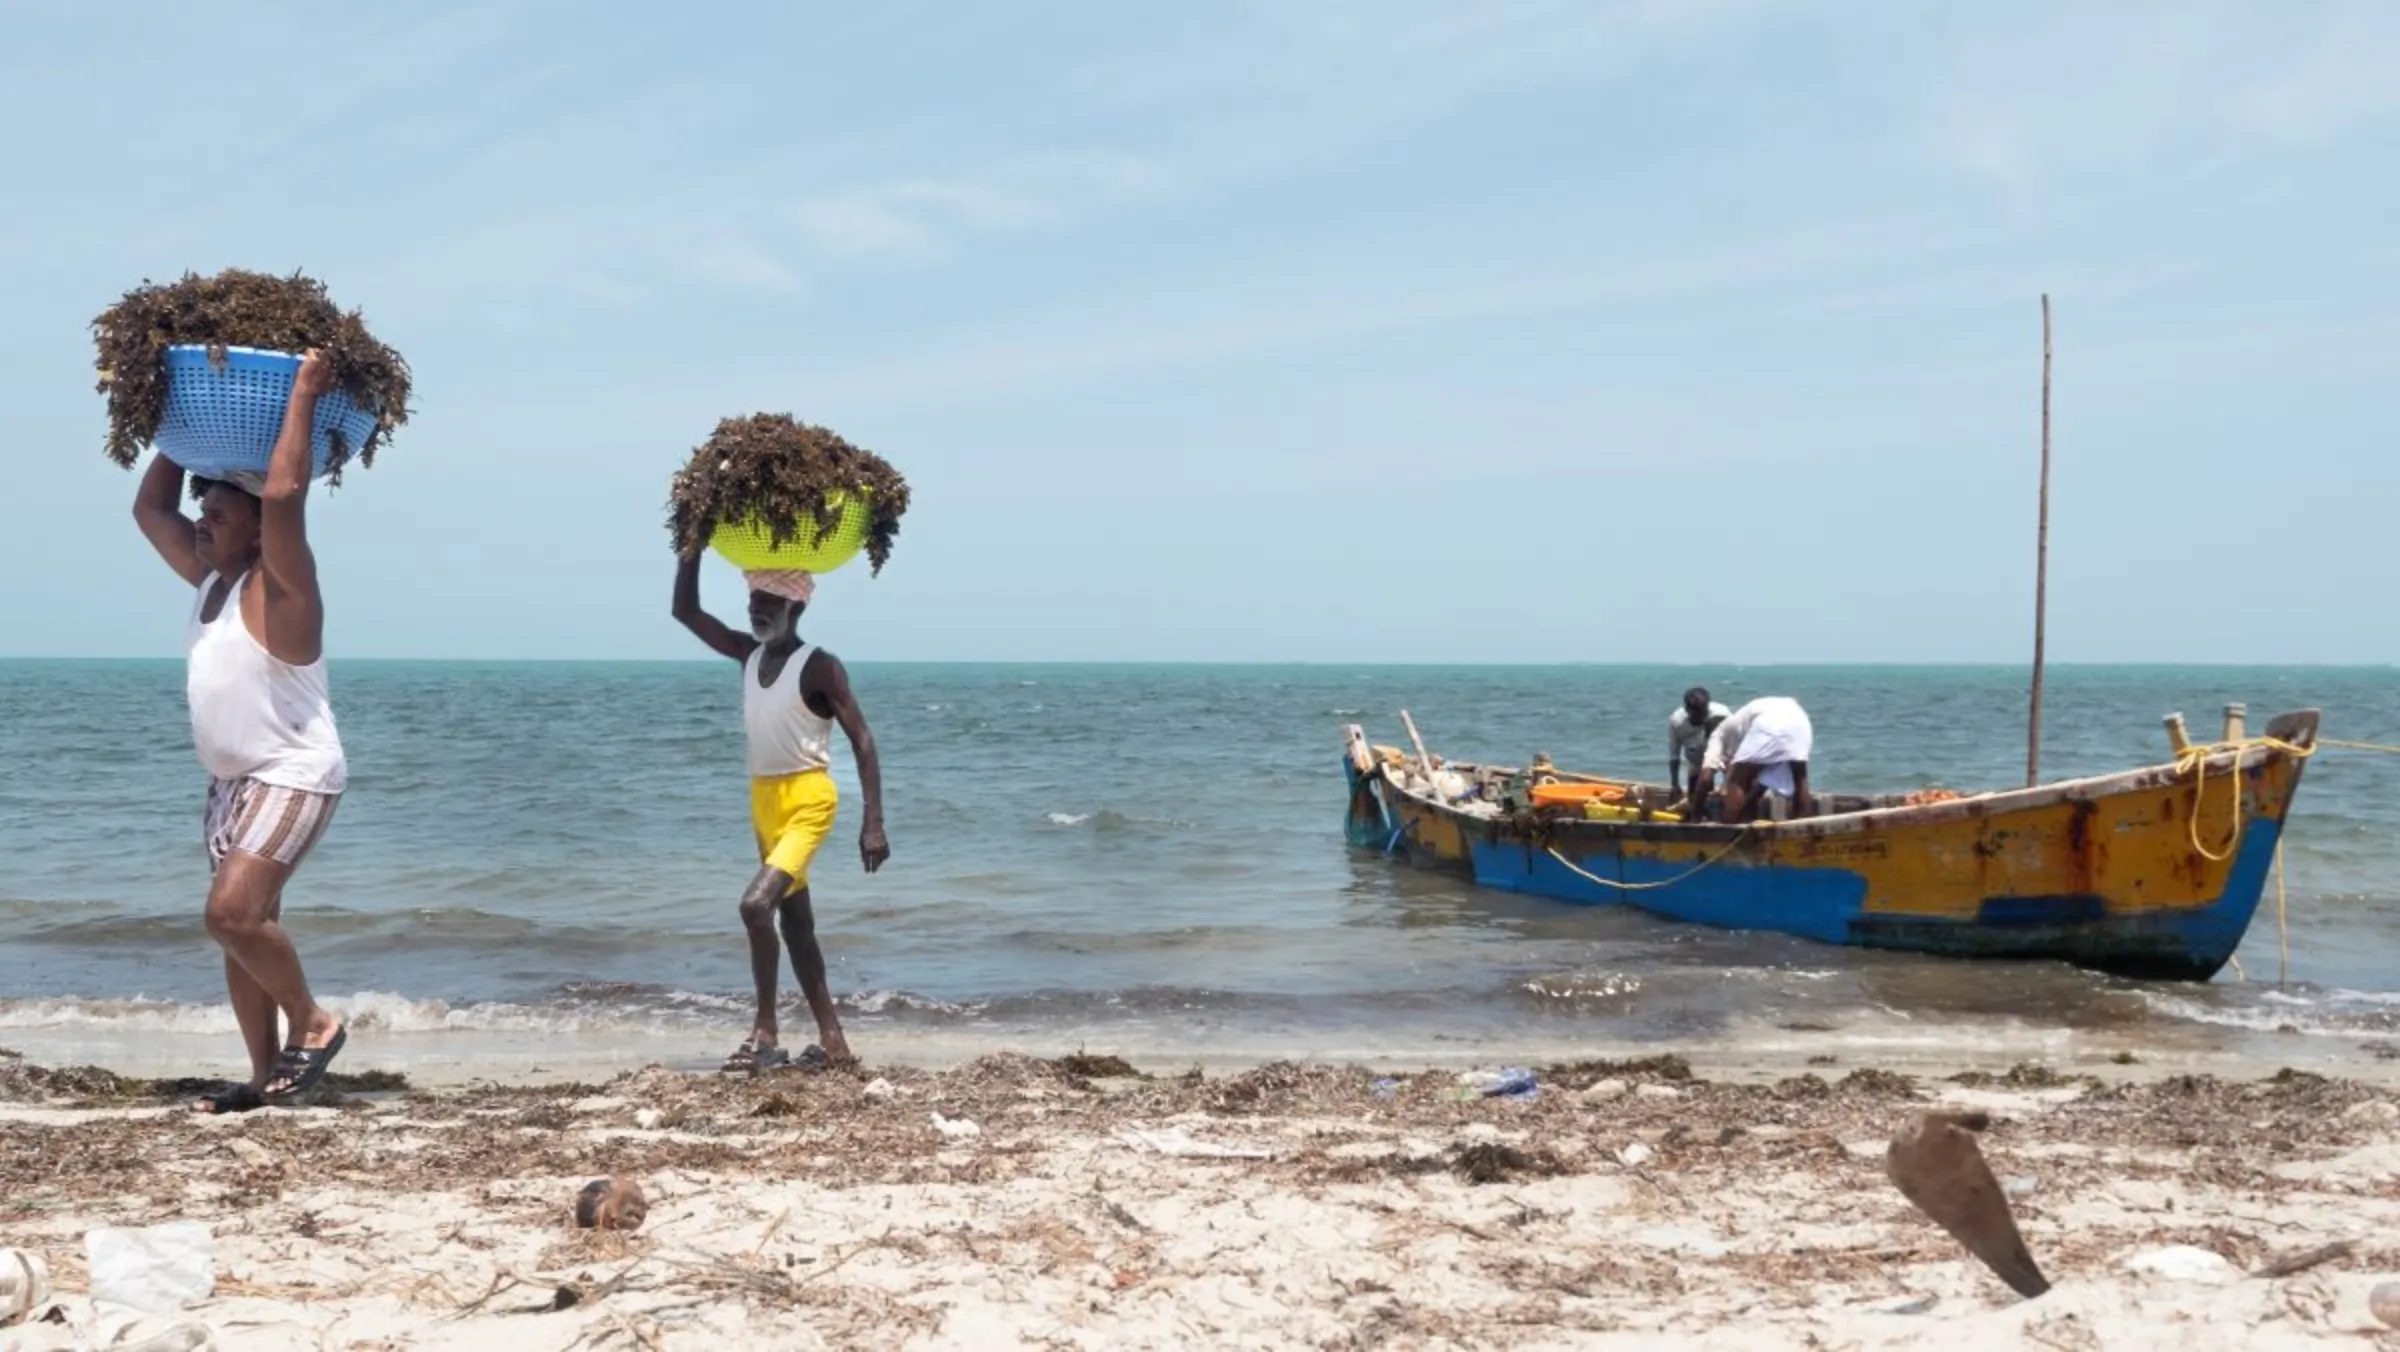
2195, 758
2198, 757
1740, 835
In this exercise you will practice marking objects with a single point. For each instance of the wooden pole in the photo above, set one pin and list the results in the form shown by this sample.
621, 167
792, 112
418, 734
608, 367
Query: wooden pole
2041, 571
1423, 759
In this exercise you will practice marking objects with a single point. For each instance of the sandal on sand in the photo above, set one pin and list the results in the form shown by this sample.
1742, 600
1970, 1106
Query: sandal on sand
750, 1058
233, 1098
299, 1069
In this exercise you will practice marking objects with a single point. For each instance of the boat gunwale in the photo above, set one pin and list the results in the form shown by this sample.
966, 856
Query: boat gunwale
2301, 725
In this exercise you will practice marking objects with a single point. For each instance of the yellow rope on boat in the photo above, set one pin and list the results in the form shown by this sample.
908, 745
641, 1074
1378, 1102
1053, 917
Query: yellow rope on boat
2197, 757
2360, 746
1739, 836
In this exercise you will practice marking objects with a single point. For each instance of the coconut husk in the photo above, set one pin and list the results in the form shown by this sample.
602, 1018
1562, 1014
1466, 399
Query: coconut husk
780, 470
236, 308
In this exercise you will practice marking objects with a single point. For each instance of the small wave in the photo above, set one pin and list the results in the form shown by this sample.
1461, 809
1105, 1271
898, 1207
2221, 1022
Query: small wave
1109, 819
379, 1011
901, 1002
2327, 1014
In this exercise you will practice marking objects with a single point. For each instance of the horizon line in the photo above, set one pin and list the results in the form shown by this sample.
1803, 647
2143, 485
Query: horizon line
1411, 664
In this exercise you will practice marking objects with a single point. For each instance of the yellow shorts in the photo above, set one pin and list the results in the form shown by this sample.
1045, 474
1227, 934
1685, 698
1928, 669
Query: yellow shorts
791, 815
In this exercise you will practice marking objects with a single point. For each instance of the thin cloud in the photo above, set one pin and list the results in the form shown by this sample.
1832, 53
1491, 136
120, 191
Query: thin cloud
926, 218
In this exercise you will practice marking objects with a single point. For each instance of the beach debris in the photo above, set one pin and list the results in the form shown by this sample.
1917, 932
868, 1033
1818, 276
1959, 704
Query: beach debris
1936, 1164
1493, 1162
2384, 1301
1513, 1082
2181, 1263
1177, 1142
1601, 1091
238, 308
2293, 1264
24, 1284
792, 478
648, 1119
611, 1204
1636, 1155
156, 1269
1657, 1092
1697, 1240
956, 1128
881, 1088
2374, 1112
1387, 1087
1918, 1305
180, 1338
1085, 1065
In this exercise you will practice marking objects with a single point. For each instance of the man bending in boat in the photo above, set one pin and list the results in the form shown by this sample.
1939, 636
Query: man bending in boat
1762, 746
1687, 735
792, 695
262, 722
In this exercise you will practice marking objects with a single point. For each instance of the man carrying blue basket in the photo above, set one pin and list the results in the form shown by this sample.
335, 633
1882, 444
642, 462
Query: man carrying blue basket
263, 724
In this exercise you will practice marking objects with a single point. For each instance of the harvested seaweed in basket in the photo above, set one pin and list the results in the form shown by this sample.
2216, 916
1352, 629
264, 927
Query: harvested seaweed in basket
783, 474
236, 308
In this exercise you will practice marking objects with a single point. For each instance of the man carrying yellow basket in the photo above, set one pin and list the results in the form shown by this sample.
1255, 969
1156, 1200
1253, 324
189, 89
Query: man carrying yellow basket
833, 500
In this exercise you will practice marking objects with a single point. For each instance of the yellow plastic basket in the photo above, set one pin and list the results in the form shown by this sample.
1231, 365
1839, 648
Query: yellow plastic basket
750, 546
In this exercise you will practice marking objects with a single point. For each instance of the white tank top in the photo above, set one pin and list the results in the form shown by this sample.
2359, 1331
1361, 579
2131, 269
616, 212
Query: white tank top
254, 716
786, 736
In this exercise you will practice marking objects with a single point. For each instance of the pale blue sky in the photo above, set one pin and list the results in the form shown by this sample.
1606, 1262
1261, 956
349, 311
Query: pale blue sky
1349, 330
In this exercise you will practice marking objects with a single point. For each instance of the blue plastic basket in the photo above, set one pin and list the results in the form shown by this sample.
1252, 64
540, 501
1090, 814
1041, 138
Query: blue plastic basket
223, 419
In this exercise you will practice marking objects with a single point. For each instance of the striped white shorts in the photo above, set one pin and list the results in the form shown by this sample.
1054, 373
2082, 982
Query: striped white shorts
266, 820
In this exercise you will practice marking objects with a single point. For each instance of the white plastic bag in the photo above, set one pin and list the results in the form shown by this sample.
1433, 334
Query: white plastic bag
158, 1269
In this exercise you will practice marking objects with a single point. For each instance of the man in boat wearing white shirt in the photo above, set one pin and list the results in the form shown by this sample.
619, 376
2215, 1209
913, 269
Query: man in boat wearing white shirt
792, 695
262, 722
1687, 734
1762, 746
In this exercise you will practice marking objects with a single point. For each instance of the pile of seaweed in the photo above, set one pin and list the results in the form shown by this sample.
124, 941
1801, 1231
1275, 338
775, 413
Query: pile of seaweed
783, 472
236, 308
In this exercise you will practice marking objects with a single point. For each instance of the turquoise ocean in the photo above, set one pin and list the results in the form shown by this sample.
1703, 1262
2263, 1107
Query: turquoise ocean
1125, 856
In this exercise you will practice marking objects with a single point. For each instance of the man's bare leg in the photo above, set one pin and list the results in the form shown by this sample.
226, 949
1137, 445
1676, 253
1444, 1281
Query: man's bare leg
808, 962
244, 910
766, 958
260, 1020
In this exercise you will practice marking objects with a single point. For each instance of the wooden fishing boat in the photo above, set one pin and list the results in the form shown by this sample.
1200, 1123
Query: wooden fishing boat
2150, 873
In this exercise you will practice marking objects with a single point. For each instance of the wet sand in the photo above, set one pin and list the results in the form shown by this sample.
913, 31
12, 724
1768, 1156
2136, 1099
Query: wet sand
1629, 1204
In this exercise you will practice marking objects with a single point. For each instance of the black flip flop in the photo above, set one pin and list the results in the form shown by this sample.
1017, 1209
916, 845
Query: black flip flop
233, 1098
751, 1058
303, 1067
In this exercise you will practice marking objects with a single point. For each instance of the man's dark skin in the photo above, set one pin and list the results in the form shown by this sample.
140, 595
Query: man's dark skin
1695, 708
1744, 799
770, 898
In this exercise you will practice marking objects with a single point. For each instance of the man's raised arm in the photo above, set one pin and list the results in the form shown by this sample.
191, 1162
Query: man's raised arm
158, 510
706, 627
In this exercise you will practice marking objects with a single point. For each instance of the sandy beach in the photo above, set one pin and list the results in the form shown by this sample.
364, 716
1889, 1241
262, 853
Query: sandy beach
1015, 1202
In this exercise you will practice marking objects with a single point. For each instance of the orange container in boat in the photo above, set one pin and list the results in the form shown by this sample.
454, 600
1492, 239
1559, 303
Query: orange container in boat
1576, 795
